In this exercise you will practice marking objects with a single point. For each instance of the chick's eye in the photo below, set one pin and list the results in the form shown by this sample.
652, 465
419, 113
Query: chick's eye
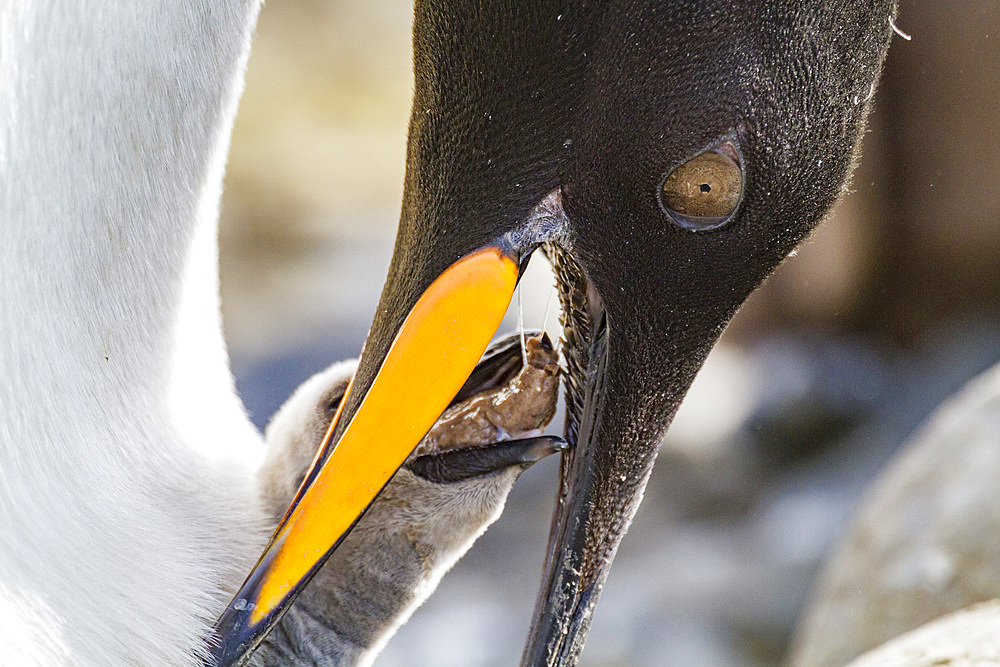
704, 192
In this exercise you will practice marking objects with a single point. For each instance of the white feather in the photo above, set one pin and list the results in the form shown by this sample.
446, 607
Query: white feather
128, 512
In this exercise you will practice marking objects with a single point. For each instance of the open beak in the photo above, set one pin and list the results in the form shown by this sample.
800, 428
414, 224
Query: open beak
425, 342
383, 418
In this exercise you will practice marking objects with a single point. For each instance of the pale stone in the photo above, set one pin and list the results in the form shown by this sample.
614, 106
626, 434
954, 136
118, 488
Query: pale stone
968, 638
924, 542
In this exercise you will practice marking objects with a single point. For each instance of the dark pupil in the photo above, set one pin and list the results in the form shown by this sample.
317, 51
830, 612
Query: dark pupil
705, 187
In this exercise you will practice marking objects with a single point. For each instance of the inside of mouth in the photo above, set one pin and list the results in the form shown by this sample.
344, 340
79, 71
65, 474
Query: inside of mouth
583, 324
502, 360
501, 364
503, 400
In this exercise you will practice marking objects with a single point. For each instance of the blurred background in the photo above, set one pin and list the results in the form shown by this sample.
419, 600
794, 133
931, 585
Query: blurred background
892, 305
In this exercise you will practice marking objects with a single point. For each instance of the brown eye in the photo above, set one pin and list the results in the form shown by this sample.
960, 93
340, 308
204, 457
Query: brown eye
704, 192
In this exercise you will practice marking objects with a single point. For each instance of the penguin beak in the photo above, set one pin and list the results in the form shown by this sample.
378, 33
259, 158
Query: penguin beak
576, 561
613, 430
630, 356
380, 422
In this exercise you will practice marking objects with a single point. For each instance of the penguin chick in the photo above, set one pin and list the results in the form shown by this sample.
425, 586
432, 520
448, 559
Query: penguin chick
448, 492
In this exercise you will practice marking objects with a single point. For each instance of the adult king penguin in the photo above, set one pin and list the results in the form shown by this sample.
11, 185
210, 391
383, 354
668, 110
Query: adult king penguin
667, 155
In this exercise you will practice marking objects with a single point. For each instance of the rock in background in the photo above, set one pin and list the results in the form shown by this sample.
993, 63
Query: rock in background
968, 638
925, 541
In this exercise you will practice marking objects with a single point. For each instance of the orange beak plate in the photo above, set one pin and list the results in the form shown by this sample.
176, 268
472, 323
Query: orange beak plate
433, 354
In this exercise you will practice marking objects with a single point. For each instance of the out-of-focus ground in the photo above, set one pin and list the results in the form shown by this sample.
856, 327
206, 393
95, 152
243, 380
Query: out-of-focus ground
892, 305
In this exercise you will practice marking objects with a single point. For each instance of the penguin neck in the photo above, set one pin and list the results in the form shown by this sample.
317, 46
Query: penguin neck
115, 126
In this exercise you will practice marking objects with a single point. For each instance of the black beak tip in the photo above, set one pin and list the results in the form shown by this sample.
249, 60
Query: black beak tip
543, 446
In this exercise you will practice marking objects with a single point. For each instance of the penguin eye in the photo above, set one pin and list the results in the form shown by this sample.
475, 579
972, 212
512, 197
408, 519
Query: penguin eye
704, 192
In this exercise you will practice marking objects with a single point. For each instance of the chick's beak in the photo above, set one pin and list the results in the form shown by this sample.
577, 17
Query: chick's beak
430, 358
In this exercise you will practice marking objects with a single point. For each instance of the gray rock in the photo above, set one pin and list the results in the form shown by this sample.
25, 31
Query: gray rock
924, 542
969, 638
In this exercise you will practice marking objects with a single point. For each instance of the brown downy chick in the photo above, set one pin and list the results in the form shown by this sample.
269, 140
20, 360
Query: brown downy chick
448, 492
